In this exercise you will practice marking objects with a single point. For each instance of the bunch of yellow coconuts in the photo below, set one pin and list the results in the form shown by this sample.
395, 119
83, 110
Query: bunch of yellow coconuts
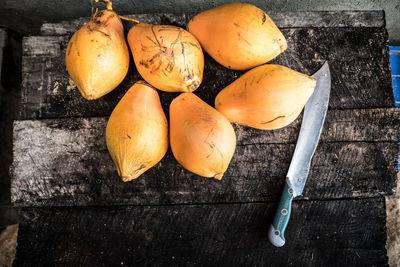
238, 36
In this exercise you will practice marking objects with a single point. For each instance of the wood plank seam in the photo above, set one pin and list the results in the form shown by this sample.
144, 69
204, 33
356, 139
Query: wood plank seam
126, 205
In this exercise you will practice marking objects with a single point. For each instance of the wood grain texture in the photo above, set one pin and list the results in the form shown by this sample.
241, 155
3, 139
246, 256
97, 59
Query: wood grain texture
320, 233
62, 160
353, 125
358, 59
66, 162
283, 19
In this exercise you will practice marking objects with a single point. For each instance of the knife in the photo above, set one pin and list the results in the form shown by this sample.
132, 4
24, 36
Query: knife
311, 127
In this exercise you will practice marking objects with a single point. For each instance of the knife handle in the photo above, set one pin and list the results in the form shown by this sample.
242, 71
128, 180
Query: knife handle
277, 229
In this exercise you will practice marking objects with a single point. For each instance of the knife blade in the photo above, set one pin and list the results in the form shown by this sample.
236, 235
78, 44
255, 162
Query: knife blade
310, 131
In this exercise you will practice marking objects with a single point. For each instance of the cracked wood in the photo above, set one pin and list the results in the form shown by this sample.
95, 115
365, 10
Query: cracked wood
66, 162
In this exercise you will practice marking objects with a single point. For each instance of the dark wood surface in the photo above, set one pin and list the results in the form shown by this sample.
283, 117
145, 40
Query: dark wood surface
283, 19
358, 60
48, 93
256, 173
66, 162
320, 233
77, 212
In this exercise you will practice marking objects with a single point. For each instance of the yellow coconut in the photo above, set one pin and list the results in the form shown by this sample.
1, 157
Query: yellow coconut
97, 57
266, 97
239, 36
137, 131
167, 57
202, 139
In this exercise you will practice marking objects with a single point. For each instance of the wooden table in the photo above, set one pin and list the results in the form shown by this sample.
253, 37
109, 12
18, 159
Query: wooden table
77, 211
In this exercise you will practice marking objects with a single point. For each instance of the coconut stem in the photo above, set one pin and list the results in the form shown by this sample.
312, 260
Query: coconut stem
125, 18
109, 7
107, 2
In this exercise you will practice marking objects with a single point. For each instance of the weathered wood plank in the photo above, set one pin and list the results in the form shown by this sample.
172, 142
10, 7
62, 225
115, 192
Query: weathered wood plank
320, 233
355, 125
66, 162
283, 19
317, 19
358, 59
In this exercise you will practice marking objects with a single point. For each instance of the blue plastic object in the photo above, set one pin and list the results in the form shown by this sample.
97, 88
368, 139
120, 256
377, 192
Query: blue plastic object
398, 160
394, 52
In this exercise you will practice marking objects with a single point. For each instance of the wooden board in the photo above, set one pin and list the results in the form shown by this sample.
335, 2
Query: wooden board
66, 162
358, 59
71, 166
320, 233
283, 19
60, 159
